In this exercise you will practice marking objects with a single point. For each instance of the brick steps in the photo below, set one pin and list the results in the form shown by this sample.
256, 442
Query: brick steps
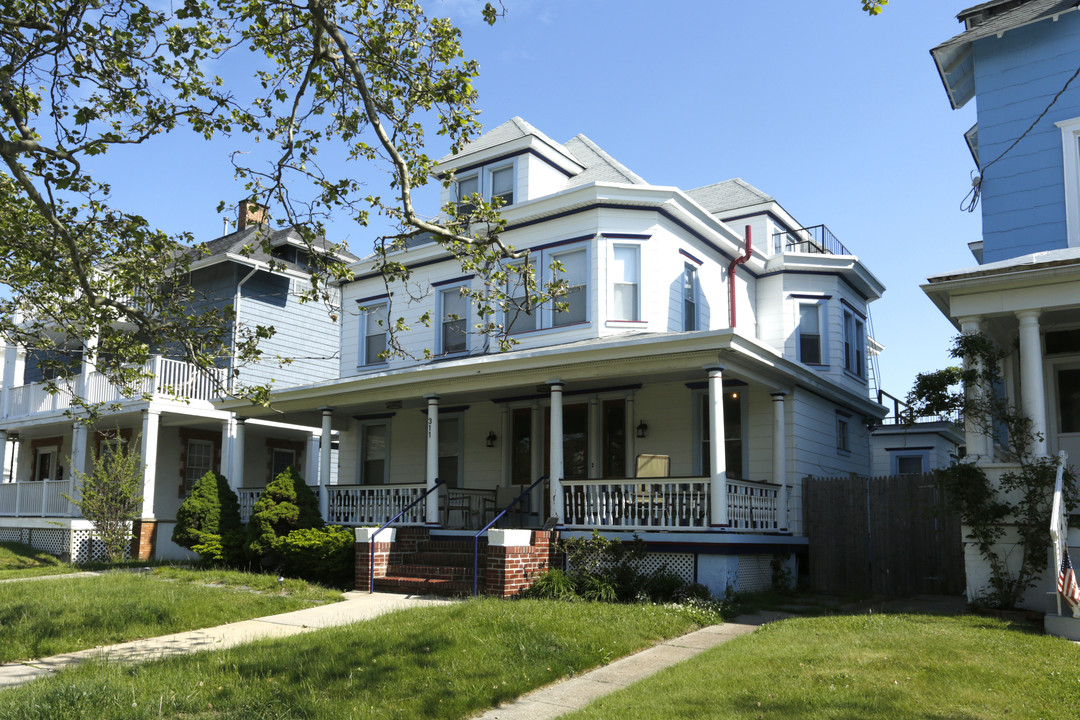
437, 567
426, 585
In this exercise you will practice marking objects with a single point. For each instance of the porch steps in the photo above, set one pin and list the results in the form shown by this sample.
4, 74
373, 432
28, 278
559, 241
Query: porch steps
437, 567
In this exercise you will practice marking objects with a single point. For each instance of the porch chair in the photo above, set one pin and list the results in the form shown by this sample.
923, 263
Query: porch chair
457, 504
503, 497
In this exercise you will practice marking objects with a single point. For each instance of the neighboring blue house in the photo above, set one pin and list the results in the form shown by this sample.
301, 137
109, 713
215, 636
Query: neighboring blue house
180, 439
1019, 59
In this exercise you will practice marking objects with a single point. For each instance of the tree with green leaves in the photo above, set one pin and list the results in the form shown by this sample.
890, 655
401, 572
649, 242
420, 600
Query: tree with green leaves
365, 81
285, 505
110, 496
208, 522
1013, 509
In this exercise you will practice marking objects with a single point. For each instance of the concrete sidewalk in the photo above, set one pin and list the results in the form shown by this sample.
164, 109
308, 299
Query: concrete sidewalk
573, 694
357, 606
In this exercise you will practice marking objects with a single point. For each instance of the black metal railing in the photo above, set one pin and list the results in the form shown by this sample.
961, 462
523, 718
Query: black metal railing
371, 540
816, 239
900, 413
481, 531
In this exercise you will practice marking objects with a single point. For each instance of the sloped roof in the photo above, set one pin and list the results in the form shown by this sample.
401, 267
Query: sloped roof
509, 131
953, 57
234, 244
728, 195
599, 166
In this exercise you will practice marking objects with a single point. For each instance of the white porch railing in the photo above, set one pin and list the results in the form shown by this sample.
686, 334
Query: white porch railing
374, 504
171, 378
248, 497
37, 499
667, 503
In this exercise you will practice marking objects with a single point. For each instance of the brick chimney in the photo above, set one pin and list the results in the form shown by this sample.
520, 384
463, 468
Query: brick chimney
249, 212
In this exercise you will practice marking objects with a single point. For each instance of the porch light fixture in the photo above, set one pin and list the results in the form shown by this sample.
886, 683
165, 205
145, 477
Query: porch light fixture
642, 428
491, 438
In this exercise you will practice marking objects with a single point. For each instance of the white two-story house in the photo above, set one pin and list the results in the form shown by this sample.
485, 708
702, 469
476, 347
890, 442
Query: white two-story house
711, 353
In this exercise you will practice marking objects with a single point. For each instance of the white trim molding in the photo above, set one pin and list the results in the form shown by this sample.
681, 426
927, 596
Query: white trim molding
1070, 153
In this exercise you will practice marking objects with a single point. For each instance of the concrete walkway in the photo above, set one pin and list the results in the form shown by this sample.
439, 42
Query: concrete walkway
357, 606
573, 694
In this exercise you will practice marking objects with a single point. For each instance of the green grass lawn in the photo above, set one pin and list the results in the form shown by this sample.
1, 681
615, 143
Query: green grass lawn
38, 619
18, 560
437, 662
872, 667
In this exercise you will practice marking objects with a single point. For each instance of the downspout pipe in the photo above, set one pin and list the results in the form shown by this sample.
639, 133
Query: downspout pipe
731, 277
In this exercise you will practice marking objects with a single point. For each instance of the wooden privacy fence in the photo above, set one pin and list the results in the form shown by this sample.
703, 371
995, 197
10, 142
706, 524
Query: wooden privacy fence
894, 536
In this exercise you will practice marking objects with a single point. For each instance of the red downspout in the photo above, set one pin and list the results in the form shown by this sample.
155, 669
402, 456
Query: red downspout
731, 276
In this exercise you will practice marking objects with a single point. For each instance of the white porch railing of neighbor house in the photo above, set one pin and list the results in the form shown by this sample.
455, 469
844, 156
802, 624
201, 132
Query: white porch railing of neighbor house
37, 499
170, 378
248, 497
667, 504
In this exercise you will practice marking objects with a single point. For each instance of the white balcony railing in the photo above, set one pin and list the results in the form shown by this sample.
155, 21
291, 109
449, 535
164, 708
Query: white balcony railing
38, 499
374, 504
170, 378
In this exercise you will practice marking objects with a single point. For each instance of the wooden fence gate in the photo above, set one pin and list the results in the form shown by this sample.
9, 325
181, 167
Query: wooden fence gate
894, 536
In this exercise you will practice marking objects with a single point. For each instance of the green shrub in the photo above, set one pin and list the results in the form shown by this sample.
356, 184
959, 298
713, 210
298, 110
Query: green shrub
554, 584
286, 504
208, 522
324, 555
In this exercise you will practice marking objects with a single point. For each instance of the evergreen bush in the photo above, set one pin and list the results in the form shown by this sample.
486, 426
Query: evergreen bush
324, 555
286, 504
208, 522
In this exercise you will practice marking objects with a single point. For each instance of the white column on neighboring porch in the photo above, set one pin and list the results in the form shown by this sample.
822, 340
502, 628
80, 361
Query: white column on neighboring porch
555, 458
631, 436
150, 422
326, 447
779, 460
314, 460
718, 505
977, 441
1032, 388
228, 437
236, 457
3, 456
79, 454
432, 507
596, 453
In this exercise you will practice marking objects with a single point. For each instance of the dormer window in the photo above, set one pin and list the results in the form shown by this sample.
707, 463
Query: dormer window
502, 184
466, 186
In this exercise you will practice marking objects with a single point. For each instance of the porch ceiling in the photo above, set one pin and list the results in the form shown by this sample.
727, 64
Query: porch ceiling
614, 362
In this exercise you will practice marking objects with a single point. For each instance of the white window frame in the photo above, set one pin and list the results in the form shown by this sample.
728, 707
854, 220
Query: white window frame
512, 314
189, 478
442, 321
550, 315
635, 283
361, 435
854, 344
1070, 152
471, 175
489, 181
843, 434
823, 359
691, 296
896, 455
369, 309
54, 464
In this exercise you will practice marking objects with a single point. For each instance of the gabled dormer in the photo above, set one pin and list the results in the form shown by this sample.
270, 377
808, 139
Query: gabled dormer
514, 162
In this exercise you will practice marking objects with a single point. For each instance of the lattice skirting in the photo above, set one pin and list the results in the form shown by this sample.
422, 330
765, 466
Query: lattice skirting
77, 546
755, 573
681, 564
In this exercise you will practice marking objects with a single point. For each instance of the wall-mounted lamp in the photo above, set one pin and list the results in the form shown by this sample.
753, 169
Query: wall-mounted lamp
642, 428
491, 438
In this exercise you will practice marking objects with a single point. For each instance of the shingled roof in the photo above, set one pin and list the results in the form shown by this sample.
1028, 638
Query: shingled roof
723, 197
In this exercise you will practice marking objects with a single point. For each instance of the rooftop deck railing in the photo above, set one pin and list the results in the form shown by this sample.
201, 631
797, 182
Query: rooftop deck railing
816, 239
900, 413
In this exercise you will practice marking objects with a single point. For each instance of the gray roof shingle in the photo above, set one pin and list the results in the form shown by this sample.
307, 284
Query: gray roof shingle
728, 195
599, 166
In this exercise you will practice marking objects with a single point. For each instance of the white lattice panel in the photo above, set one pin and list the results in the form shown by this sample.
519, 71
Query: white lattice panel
15, 535
86, 548
681, 564
755, 573
54, 542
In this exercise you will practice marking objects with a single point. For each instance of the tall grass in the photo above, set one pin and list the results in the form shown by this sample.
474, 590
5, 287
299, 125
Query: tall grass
18, 560
437, 662
38, 619
872, 667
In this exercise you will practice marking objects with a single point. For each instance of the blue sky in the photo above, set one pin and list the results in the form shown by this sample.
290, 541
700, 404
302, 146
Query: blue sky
839, 116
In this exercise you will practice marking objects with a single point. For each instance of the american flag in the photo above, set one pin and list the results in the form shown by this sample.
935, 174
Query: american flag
1066, 583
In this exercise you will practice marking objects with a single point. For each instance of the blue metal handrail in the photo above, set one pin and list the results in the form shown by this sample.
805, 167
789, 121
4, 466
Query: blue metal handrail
497, 518
371, 541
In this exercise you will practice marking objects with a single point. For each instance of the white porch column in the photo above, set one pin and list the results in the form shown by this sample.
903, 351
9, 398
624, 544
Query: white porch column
978, 442
150, 422
228, 437
718, 506
326, 447
314, 460
631, 436
555, 458
79, 433
1032, 387
432, 508
236, 456
779, 460
3, 456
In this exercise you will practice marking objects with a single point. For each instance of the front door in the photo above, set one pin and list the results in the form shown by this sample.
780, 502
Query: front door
1066, 404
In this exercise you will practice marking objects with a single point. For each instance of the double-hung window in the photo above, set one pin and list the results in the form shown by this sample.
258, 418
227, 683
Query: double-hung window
199, 461
467, 186
453, 325
375, 324
843, 438
809, 334
690, 294
854, 344
502, 184
574, 302
626, 279
520, 315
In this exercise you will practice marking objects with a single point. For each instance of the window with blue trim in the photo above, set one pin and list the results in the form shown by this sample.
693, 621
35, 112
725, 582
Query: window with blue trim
373, 324
453, 323
575, 301
810, 333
